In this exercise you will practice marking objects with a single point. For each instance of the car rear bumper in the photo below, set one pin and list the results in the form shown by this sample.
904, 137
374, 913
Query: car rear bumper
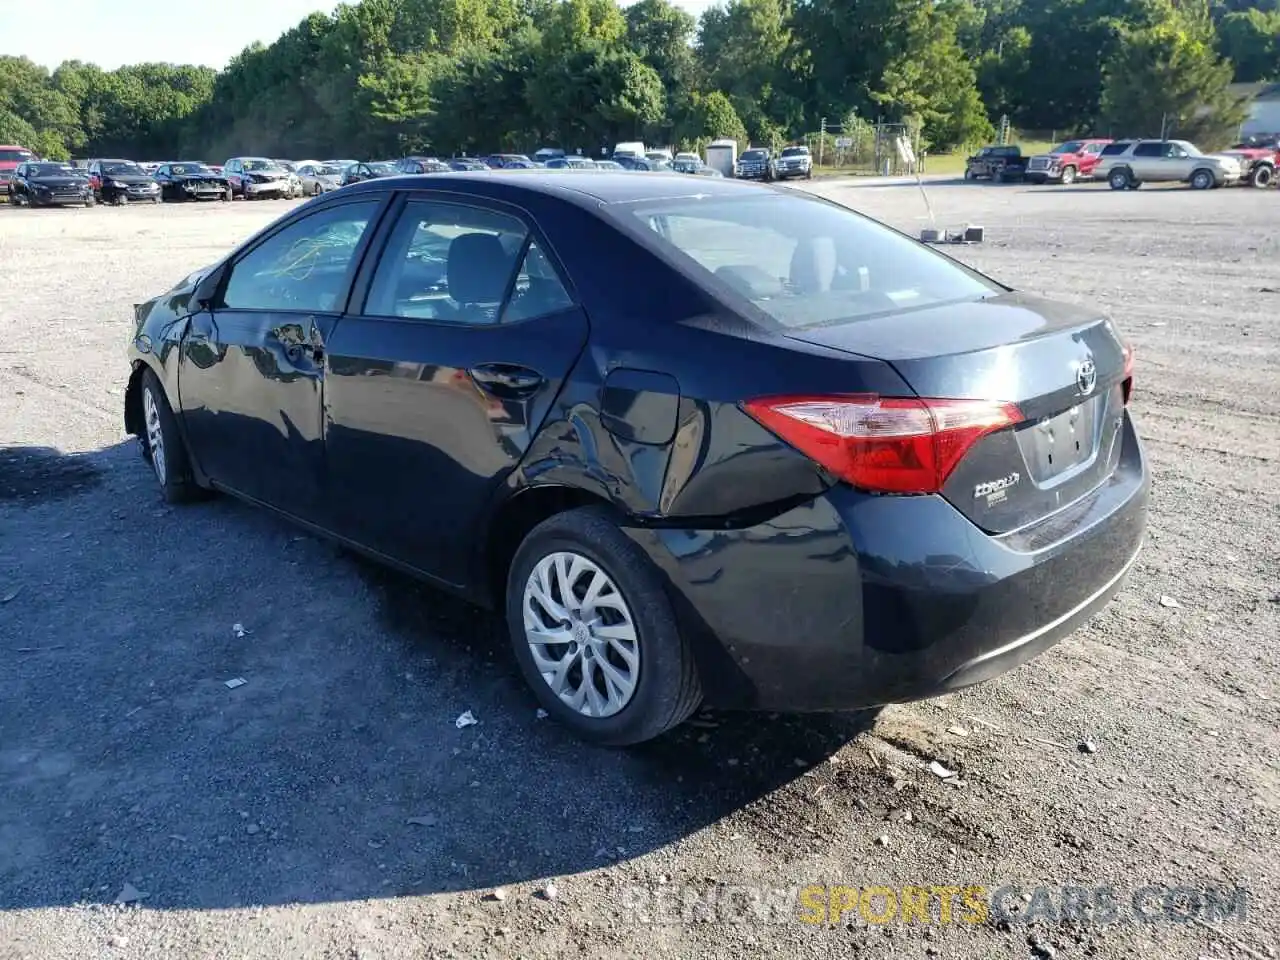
853, 601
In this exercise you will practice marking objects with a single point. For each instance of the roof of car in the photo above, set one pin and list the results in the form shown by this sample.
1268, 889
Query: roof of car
605, 186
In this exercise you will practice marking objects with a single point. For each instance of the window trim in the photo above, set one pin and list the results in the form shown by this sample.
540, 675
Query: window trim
353, 268
362, 285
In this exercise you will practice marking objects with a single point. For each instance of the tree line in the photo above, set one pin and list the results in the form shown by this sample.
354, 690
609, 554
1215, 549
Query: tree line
389, 77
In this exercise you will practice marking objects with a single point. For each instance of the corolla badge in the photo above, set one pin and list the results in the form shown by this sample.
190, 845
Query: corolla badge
995, 490
1086, 377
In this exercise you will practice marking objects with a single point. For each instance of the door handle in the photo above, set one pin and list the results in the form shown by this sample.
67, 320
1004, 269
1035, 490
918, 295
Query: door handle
506, 378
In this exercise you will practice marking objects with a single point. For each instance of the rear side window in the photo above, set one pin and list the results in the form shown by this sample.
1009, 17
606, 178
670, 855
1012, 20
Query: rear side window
1152, 148
1115, 149
457, 264
805, 262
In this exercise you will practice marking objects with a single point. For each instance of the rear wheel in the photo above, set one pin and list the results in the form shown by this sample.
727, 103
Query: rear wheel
594, 633
1202, 180
1119, 179
162, 445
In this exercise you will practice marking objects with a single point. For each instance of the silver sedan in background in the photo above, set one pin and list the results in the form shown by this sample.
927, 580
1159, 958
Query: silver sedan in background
318, 177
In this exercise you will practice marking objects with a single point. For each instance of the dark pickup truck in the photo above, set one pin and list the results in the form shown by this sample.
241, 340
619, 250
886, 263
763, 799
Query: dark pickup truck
996, 163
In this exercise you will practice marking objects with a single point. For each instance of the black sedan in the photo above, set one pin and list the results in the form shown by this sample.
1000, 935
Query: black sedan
360, 172
739, 444
191, 180
49, 184
122, 181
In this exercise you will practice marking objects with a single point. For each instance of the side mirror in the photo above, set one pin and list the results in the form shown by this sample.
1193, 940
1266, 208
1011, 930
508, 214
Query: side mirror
207, 289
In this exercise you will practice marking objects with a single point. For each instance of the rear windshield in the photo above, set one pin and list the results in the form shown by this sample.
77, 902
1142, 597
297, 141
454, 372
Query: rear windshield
21, 156
805, 262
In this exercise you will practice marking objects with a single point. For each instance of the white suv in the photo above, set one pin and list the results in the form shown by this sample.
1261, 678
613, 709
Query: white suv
1128, 164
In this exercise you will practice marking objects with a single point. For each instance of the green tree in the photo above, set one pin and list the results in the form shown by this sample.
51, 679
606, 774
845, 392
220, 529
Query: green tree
1169, 76
1250, 39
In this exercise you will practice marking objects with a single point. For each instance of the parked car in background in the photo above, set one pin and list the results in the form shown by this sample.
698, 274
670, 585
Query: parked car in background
1066, 163
44, 183
755, 163
640, 164
1128, 164
547, 153
257, 178
793, 162
1257, 161
317, 178
570, 163
421, 165
998, 163
122, 181
463, 164
191, 180
816, 457
685, 163
608, 165
369, 170
509, 161
343, 164
10, 156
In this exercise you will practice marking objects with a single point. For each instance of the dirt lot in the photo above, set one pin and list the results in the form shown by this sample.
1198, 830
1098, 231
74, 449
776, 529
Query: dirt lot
272, 820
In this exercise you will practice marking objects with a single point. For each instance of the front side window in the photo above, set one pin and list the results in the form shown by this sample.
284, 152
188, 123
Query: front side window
802, 261
456, 264
303, 267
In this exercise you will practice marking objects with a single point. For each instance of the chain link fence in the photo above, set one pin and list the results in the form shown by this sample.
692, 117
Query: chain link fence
862, 147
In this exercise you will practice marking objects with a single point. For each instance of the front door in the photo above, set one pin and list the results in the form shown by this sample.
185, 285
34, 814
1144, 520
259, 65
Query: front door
251, 372
436, 389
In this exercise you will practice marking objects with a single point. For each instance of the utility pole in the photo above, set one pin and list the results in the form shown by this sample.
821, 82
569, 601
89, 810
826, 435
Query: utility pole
822, 138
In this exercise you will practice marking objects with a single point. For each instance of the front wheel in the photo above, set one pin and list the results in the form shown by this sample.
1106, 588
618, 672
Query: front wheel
1201, 180
1262, 175
594, 633
162, 445
1068, 176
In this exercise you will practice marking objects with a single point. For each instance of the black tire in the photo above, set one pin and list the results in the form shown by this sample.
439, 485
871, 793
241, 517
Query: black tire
969, 174
1068, 175
1119, 179
1263, 175
1202, 180
228, 195
667, 690
177, 484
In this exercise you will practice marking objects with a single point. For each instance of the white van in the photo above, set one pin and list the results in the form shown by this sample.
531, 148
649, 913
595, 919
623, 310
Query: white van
632, 149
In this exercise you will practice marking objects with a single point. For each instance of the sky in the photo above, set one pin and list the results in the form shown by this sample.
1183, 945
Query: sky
131, 31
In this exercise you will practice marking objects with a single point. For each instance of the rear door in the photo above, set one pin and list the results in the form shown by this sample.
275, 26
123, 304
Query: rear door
251, 370
437, 386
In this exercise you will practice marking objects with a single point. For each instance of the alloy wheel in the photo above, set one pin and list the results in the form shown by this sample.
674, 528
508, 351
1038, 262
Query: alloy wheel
155, 433
581, 634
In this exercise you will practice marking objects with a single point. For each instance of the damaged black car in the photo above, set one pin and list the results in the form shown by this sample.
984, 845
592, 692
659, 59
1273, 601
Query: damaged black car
191, 180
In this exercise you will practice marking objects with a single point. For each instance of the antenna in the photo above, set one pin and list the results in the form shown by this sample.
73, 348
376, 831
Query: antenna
969, 234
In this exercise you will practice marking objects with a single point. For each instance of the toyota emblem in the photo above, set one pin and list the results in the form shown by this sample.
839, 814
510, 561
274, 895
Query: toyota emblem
1086, 377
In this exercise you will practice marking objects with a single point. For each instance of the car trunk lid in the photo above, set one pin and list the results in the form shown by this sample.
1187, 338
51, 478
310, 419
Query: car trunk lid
1063, 367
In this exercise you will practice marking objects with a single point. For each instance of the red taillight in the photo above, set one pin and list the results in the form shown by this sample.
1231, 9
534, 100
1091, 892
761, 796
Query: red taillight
1127, 386
884, 444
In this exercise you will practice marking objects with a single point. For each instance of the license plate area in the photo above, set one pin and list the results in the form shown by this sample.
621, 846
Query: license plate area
1058, 446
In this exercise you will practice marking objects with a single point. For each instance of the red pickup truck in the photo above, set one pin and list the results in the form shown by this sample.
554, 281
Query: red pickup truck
10, 157
1067, 162
1258, 160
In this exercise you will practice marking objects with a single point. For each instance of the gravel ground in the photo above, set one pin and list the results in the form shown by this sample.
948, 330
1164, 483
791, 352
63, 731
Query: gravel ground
329, 807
